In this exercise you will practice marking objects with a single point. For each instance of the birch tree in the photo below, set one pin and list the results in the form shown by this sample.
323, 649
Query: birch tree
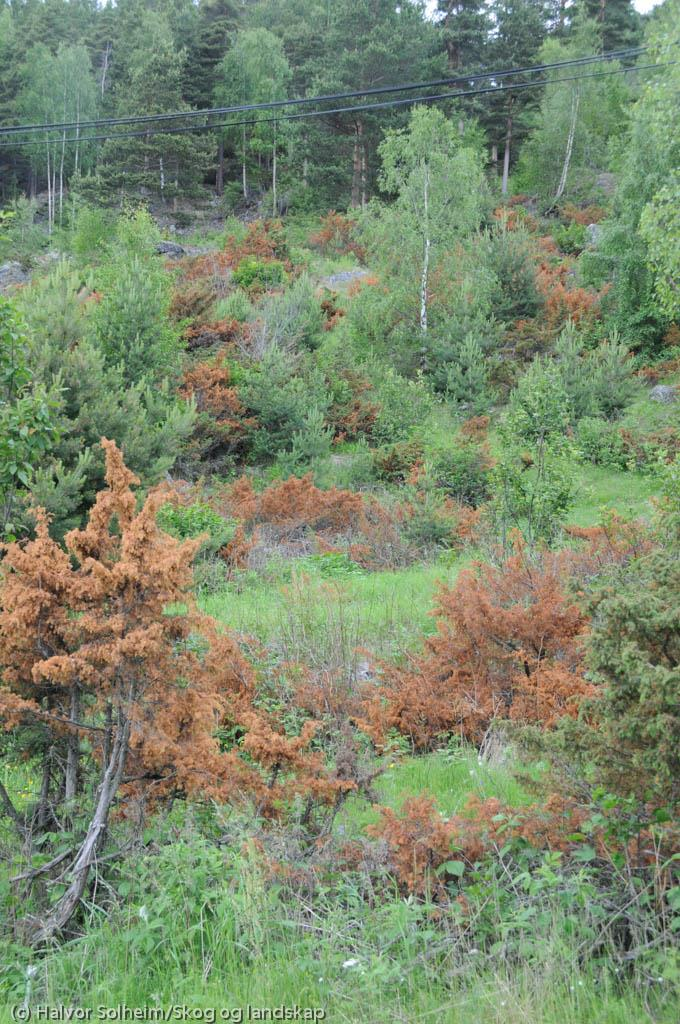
256, 71
58, 88
440, 192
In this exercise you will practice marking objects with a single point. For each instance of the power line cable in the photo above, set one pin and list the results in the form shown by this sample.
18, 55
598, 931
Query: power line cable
438, 97
329, 97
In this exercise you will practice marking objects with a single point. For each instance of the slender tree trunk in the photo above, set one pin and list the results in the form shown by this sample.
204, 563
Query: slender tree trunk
274, 202
61, 178
161, 173
105, 67
72, 750
219, 177
424, 277
243, 166
506, 154
570, 146
77, 153
355, 197
364, 174
494, 159
50, 194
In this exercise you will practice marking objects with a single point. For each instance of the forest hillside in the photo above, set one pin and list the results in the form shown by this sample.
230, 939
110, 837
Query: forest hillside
340, 511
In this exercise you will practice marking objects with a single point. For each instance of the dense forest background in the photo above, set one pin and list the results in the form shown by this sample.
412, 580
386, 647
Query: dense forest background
74, 61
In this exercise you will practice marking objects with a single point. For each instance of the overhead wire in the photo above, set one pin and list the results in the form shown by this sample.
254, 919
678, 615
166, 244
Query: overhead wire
329, 97
365, 107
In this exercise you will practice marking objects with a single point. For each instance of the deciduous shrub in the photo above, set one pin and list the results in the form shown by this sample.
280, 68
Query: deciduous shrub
258, 275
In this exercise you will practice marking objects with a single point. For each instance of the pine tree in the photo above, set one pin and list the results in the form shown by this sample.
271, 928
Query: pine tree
465, 26
519, 31
619, 23
159, 163
217, 22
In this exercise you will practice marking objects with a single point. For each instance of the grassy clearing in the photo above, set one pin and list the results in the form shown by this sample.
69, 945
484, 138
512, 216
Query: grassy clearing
389, 609
449, 776
599, 490
204, 927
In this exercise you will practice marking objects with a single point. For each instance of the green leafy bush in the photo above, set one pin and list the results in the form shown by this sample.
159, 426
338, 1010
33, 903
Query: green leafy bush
462, 471
570, 238
601, 443
404, 404
188, 521
258, 274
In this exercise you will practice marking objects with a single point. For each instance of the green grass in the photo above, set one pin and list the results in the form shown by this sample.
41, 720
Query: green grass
388, 610
599, 489
450, 777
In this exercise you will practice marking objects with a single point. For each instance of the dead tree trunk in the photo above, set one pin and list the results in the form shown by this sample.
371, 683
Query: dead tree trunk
37, 931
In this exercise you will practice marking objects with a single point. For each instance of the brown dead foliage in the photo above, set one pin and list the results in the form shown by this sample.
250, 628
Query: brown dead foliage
223, 334
295, 509
86, 639
264, 239
420, 841
336, 236
508, 645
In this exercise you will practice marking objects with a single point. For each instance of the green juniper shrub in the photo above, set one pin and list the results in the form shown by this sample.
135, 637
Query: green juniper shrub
598, 381
131, 324
234, 306
467, 378
92, 399
311, 443
292, 319
510, 257
631, 734
28, 424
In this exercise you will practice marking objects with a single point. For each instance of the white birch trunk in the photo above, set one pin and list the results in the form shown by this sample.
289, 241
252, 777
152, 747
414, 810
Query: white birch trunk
424, 279
570, 146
